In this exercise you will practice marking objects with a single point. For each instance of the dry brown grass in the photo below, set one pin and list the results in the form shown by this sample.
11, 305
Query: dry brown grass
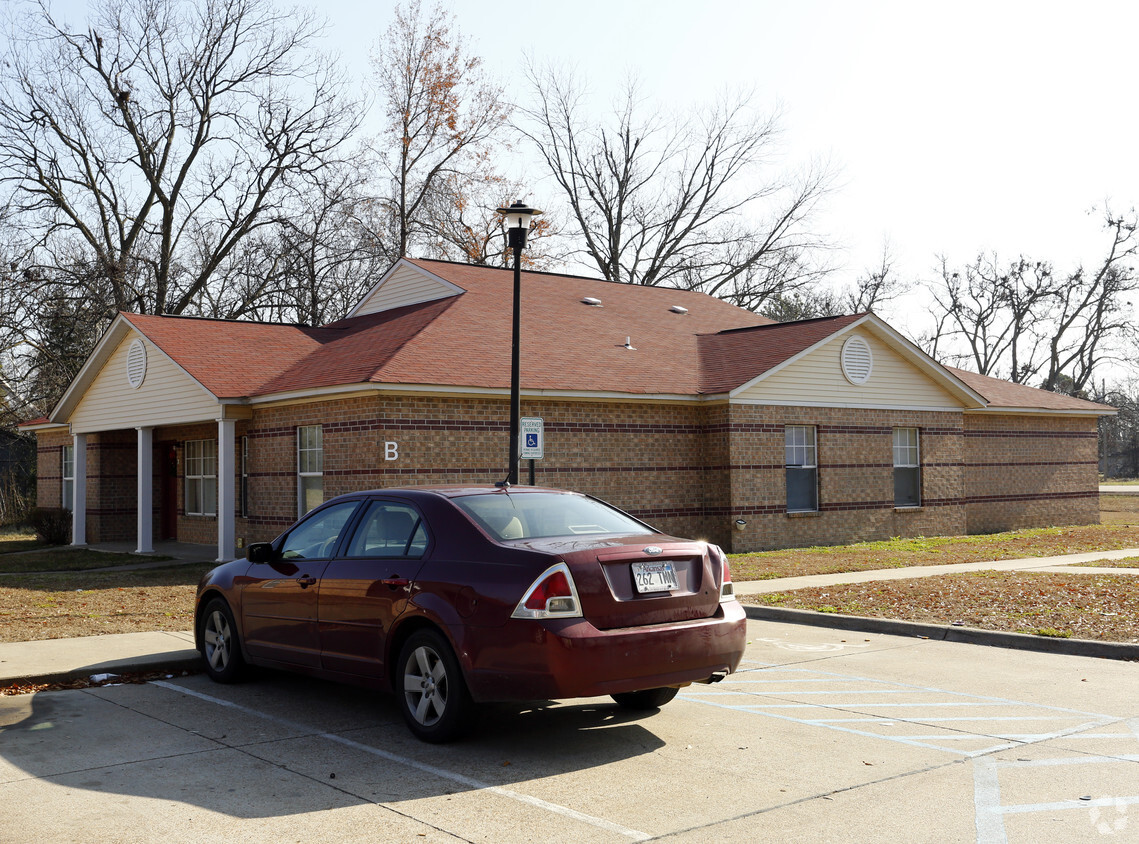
90, 603
1084, 606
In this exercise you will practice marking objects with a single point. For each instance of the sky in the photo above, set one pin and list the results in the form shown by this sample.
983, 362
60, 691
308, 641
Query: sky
955, 128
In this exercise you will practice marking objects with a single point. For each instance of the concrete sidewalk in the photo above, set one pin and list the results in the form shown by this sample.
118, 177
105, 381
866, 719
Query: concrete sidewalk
57, 660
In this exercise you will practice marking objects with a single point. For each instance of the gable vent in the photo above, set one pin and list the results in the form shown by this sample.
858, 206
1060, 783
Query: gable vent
857, 360
136, 364
589, 300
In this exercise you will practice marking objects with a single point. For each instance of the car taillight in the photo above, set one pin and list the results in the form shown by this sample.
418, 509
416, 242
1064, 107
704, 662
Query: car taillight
552, 595
727, 591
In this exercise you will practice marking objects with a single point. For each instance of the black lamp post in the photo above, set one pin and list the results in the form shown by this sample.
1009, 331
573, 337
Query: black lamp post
517, 221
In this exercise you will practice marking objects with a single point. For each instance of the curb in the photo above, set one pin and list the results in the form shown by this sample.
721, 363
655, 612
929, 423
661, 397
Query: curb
947, 633
171, 662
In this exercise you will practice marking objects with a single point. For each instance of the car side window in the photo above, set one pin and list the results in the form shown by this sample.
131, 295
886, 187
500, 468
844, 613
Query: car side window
389, 529
315, 537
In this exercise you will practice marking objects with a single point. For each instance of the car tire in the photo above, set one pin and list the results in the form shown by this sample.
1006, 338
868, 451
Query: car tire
221, 647
430, 688
646, 698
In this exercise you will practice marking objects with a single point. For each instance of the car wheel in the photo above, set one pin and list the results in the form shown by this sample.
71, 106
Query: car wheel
432, 694
220, 647
647, 698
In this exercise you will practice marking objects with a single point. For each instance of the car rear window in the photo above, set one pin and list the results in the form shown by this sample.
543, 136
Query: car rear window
536, 515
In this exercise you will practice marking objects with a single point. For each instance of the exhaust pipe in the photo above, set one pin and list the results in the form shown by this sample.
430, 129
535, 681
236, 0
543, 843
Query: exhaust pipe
716, 677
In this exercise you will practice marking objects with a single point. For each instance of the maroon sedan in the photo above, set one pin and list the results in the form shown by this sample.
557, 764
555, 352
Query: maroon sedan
452, 596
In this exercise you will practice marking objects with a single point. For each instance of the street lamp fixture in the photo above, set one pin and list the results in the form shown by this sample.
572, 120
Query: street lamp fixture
516, 219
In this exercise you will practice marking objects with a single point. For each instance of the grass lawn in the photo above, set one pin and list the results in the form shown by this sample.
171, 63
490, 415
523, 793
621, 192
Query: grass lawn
90, 603
1086, 606
18, 539
62, 558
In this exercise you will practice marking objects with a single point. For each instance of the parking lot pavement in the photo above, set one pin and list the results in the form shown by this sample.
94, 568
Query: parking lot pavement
822, 735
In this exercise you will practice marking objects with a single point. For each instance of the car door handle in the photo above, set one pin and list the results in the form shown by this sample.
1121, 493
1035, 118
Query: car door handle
306, 581
395, 582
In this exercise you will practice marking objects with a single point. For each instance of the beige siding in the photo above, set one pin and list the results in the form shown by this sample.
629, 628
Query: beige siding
405, 286
817, 379
167, 395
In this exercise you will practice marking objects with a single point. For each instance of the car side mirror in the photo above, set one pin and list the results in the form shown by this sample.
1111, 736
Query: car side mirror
260, 552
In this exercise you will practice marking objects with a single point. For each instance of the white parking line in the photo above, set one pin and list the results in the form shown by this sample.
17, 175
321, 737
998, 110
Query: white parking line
777, 691
442, 773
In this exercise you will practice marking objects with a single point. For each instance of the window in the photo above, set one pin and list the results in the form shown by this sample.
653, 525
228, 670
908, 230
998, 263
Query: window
243, 497
310, 468
201, 477
389, 530
907, 468
802, 468
315, 538
68, 477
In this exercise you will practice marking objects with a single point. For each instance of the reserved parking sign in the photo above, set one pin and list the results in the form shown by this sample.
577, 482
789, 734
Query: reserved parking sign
532, 441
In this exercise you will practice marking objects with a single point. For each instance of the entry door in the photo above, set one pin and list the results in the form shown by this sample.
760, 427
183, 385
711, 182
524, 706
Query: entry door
279, 598
367, 586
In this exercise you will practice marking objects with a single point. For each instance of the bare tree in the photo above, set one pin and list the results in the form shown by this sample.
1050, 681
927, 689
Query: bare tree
314, 261
1024, 322
441, 113
676, 202
874, 288
160, 136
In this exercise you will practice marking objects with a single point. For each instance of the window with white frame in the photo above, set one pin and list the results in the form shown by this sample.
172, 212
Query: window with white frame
201, 468
68, 474
907, 468
310, 468
800, 457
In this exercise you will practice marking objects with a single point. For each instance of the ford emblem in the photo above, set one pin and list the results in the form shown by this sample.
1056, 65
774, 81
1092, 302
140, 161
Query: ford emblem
652, 551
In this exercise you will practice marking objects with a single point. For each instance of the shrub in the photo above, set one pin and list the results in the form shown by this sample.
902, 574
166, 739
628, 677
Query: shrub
51, 524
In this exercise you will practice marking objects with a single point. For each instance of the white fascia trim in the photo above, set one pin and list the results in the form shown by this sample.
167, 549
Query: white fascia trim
323, 393
42, 426
849, 405
899, 343
401, 263
1038, 411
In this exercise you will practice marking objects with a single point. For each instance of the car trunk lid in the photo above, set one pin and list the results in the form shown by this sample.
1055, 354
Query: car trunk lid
607, 573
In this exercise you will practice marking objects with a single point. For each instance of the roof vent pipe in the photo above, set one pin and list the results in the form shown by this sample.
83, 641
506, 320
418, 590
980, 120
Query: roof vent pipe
589, 300
629, 344
679, 309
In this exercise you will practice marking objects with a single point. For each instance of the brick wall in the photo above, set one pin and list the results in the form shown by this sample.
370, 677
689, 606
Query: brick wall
1030, 471
855, 476
691, 470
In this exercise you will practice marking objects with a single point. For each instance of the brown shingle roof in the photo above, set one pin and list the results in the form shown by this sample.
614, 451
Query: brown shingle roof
733, 358
464, 340
1000, 393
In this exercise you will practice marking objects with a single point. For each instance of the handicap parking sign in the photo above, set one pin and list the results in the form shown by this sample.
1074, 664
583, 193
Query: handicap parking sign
532, 436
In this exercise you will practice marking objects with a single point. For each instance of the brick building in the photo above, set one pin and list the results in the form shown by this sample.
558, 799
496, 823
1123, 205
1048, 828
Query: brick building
699, 417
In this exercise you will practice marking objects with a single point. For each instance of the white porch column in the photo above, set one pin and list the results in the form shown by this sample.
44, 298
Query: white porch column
227, 429
79, 488
145, 491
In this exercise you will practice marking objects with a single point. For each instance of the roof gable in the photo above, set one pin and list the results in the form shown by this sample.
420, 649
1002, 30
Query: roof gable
406, 283
774, 349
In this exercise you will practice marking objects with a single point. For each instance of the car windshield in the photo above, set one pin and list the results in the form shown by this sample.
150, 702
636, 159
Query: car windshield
535, 515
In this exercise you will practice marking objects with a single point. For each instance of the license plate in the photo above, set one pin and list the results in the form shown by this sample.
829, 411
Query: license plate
654, 577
